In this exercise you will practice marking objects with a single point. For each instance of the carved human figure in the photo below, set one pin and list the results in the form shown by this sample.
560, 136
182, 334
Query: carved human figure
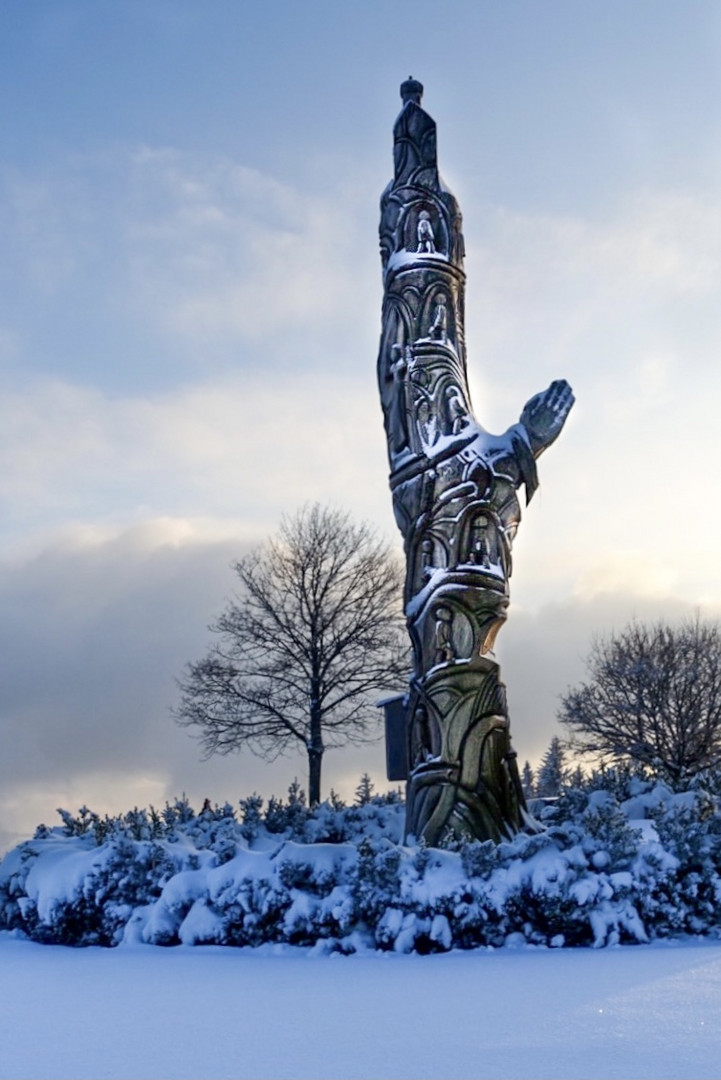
443, 642
420, 750
426, 239
427, 553
438, 327
480, 548
457, 415
398, 428
458, 493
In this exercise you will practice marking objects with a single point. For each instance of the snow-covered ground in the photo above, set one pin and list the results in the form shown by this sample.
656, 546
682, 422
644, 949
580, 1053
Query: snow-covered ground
140, 1011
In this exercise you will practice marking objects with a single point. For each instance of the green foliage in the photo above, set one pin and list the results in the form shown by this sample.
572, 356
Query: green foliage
552, 770
480, 858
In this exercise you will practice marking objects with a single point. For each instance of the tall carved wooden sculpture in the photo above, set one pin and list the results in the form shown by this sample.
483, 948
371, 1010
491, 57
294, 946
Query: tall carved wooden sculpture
454, 498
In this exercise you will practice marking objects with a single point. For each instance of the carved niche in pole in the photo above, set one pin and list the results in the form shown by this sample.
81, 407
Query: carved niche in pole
454, 497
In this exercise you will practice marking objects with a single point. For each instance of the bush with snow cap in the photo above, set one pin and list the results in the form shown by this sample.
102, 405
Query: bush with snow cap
623, 863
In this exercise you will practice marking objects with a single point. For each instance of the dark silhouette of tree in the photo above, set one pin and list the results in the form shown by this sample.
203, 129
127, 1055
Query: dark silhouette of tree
364, 791
653, 697
552, 770
314, 634
528, 781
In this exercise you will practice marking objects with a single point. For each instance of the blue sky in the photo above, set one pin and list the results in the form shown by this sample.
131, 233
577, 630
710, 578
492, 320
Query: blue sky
189, 312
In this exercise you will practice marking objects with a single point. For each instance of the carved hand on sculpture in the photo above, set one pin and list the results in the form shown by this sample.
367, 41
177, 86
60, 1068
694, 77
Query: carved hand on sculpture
545, 414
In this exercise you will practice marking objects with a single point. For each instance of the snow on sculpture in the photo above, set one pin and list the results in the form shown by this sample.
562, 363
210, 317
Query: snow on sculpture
454, 498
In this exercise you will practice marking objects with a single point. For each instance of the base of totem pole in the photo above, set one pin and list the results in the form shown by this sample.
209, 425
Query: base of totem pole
477, 796
443, 804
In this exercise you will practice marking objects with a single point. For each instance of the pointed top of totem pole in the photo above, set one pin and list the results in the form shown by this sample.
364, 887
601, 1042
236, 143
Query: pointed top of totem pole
411, 90
414, 140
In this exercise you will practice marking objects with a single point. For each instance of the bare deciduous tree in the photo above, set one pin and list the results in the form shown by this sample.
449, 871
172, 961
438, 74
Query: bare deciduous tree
315, 633
654, 697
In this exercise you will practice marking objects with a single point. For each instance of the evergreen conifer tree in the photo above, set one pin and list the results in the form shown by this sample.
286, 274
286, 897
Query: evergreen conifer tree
528, 780
364, 791
551, 771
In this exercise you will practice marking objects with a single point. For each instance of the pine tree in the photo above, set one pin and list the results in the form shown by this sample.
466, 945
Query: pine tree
576, 778
364, 791
552, 770
528, 780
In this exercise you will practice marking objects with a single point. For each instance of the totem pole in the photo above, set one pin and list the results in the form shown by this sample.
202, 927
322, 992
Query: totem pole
454, 499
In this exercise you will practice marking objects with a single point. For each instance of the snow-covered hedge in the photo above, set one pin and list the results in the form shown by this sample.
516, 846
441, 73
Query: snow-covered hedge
628, 860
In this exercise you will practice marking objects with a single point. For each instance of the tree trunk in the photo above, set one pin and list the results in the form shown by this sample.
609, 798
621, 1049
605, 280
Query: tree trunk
315, 759
315, 743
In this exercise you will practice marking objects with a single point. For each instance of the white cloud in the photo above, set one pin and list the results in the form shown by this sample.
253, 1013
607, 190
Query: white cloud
236, 253
622, 305
206, 262
636, 572
241, 449
625, 308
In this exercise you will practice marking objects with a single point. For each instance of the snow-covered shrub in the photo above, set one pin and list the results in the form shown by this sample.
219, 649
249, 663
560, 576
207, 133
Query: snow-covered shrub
72, 892
376, 882
627, 862
252, 909
289, 817
250, 810
683, 894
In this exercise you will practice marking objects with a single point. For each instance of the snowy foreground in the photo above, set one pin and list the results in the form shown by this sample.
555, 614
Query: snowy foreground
300, 943
277, 1011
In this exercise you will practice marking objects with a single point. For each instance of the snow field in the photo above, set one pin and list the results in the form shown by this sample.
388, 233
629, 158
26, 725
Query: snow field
648, 1011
